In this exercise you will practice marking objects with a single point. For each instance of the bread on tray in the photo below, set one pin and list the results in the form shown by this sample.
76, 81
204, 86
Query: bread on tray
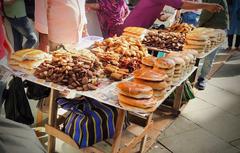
135, 90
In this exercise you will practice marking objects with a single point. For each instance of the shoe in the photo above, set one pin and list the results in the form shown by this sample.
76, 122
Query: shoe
201, 84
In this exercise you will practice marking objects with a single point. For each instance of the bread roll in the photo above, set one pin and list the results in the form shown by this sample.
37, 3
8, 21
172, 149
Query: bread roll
135, 30
159, 93
141, 103
149, 75
164, 63
27, 64
135, 90
156, 85
149, 60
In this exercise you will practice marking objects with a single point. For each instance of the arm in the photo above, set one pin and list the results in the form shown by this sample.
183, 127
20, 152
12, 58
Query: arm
211, 7
8, 2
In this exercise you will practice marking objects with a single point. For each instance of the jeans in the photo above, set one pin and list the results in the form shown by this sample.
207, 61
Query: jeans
21, 27
207, 64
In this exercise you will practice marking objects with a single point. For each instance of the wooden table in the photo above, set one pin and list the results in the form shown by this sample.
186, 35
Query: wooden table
54, 132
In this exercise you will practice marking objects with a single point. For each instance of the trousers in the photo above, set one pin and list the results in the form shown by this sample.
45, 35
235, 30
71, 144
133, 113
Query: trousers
22, 27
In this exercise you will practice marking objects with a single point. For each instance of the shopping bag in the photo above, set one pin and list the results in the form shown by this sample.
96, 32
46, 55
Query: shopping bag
88, 121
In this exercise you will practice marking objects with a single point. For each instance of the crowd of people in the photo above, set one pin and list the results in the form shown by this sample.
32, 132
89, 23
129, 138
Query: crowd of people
47, 24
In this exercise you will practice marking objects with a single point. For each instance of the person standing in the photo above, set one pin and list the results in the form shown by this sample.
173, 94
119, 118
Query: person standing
234, 14
15, 13
217, 21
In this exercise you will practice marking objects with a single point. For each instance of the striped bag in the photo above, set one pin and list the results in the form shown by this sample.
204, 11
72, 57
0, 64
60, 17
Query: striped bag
88, 121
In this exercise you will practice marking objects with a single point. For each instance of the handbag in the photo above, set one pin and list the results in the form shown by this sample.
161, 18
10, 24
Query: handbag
88, 121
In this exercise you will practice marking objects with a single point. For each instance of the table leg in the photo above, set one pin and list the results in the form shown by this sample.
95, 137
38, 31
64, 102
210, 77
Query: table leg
144, 140
52, 117
118, 131
178, 98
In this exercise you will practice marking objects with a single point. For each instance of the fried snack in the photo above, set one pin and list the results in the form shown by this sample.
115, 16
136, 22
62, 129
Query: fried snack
164, 40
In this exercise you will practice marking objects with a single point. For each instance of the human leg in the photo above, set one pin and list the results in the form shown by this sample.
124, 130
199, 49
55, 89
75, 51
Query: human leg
237, 43
230, 41
207, 65
24, 28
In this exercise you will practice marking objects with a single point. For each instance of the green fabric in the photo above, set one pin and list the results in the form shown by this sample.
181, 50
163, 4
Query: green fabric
17, 9
215, 20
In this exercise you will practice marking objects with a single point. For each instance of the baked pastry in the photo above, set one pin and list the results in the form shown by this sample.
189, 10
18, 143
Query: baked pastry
27, 64
138, 31
135, 90
156, 85
164, 63
159, 93
149, 75
149, 60
29, 54
141, 103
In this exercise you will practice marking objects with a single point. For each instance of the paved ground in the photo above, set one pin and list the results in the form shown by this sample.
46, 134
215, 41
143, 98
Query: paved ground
211, 122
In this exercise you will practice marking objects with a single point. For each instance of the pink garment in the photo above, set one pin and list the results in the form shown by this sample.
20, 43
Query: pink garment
2, 37
65, 22
147, 11
41, 24
111, 15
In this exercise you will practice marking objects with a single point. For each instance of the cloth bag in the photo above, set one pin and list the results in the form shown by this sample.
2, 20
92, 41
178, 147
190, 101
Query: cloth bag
16, 104
88, 121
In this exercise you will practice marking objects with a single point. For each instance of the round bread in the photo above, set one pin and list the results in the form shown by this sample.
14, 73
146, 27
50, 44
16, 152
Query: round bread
146, 67
164, 63
178, 60
149, 60
149, 75
135, 90
159, 93
156, 85
141, 103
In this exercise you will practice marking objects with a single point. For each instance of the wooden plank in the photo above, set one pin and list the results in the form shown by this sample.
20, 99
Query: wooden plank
52, 116
137, 139
144, 140
178, 98
118, 131
60, 135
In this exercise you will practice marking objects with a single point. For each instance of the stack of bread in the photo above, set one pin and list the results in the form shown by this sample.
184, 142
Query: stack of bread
181, 28
204, 39
28, 58
192, 55
180, 66
134, 95
197, 41
136, 32
153, 79
148, 62
168, 66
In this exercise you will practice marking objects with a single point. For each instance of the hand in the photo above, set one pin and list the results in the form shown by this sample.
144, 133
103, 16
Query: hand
164, 17
214, 8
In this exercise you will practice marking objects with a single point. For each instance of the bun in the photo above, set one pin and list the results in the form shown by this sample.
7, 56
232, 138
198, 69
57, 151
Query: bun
135, 30
178, 61
164, 63
135, 90
141, 103
155, 85
149, 60
149, 75
29, 54
30, 64
159, 93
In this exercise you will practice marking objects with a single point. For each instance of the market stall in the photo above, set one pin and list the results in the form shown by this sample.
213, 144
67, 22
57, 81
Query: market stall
100, 72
